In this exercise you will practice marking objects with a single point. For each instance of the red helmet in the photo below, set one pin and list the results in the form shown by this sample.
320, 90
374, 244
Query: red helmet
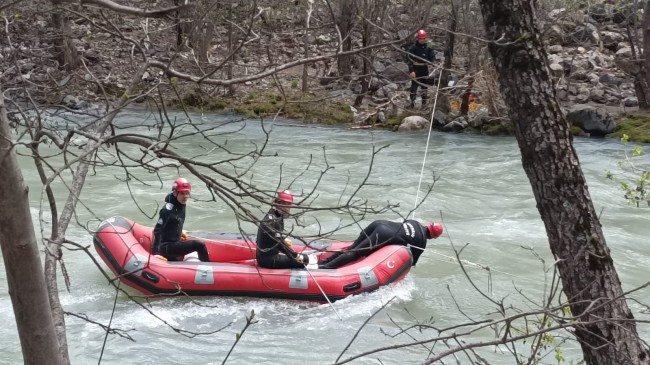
284, 196
435, 229
181, 184
421, 34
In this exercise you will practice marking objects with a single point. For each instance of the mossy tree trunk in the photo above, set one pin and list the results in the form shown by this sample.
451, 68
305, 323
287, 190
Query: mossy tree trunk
605, 328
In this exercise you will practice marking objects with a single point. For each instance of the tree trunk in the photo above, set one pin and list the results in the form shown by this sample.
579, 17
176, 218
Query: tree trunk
575, 236
53, 248
464, 104
178, 26
231, 42
22, 262
443, 105
367, 56
205, 31
645, 69
64, 51
346, 24
449, 45
305, 74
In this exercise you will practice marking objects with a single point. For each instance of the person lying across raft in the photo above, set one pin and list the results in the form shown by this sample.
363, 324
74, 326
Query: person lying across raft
170, 240
409, 233
273, 248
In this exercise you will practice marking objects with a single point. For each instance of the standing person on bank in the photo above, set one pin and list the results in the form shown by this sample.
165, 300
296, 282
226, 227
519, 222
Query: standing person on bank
170, 240
409, 233
417, 58
273, 248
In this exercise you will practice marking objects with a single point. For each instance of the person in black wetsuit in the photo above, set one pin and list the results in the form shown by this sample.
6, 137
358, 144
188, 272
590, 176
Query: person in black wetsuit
170, 240
382, 232
417, 58
273, 249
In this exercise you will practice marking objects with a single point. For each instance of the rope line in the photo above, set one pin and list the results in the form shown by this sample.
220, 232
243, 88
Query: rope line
417, 193
468, 263
426, 150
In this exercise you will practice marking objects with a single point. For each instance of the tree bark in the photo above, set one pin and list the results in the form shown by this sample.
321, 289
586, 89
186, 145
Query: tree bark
549, 159
305, 67
346, 24
53, 248
645, 69
178, 26
231, 42
367, 57
449, 45
22, 262
64, 51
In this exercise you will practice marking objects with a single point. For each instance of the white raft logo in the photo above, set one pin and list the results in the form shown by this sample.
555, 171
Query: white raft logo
390, 264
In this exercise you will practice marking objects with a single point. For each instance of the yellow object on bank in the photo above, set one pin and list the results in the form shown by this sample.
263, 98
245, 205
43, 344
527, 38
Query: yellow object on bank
455, 105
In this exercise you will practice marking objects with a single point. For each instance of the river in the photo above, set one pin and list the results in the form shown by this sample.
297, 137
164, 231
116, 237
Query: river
482, 197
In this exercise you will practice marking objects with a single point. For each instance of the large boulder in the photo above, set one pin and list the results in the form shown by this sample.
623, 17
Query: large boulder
456, 125
596, 121
413, 123
586, 34
439, 118
396, 71
625, 61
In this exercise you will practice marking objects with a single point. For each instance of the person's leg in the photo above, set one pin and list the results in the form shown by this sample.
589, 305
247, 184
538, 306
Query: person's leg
279, 261
422, 76
414, 90
200, 248
182, 248
365, 233
355, 252
167, 250
425, 95
329, 259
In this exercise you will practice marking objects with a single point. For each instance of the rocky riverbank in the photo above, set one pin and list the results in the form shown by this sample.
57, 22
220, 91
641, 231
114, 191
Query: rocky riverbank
588, 51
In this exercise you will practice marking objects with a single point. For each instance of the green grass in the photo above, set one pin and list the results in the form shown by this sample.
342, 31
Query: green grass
637, 127
308, 109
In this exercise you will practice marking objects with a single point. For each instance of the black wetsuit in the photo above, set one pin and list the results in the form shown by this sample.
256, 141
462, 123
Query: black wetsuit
380, 233
421, 69
272, 252
168, 230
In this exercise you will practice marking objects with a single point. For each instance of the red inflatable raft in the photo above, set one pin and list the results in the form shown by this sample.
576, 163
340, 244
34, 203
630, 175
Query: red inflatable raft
124, 246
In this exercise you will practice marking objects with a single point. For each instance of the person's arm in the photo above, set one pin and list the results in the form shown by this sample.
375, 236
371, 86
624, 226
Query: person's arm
159, 229
432, 55
284, 246
166, 215
409, 59
272, 228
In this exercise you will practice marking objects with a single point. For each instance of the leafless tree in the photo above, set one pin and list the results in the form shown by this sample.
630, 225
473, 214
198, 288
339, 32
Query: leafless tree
370, 12
604, 327
346, 23
22, 262
101, 135
593, 291
65, 52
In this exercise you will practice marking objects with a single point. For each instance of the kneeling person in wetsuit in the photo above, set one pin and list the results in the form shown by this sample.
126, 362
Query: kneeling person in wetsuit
273, 249
169, 239
382, 232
